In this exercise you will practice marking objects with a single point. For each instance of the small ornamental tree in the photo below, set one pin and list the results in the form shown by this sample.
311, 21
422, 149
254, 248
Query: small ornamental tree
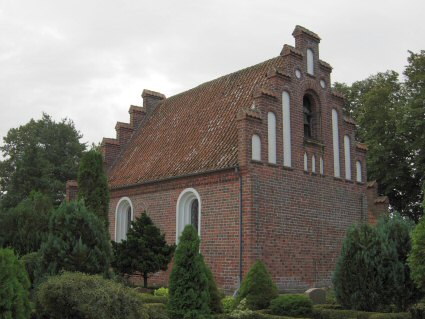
24, 227
368, 273
77, 241
145, 250
14, 286
189, 296
417, 256
93, 184
257, 287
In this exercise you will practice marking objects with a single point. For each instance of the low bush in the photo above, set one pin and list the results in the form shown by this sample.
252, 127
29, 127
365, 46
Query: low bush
14, 287
156, 311
161, 292
78, 295
228, 304
324, 312
417, 311
291, 305
148, 298
257, 287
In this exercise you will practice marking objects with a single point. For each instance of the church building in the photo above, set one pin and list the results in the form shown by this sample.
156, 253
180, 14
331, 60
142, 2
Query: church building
263, 162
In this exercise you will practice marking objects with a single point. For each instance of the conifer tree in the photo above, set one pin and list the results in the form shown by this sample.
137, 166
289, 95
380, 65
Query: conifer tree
144, 251
416, 258
215, 300
189, 296
93, 184
257, 287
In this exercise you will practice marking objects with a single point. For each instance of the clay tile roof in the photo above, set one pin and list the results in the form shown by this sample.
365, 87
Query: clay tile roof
381, 200
136, 108
371, 184
361, 146
349, 120
337, 94
191, 132
299, 29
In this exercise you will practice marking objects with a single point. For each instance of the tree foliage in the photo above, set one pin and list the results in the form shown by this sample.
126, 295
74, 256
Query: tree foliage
77, 241
40, 155
368, 273
390, 115
215, 298
145, 250
189, 294
257, 287
24, 227
416, 258
93, 184
14, 286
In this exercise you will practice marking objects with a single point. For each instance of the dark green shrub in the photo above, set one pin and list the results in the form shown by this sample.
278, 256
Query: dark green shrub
156, 311
93, 187
257, 287
189, 293
417, 311
14, 286
25, 226
215, 300
145, 250
324, 312
148, 298
228, 304
417, 256
32, 262
78, 295
77, 241
368, 273
291, 305
397, 231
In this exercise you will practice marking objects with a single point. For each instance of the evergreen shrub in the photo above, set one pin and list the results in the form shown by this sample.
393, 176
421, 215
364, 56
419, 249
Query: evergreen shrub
32, 262
257, 287
417, 256
78, 241
368, 274
156, 311
215, 300
188, 286
228, 304
417, 311
14, 287
148, 298
291, 305
76, 295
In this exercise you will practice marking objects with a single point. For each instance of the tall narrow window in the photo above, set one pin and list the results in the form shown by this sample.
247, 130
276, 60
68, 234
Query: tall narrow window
310, 62
347, 157
256, 147
308, 116
123, 218
322, 170
188, 211
305, 162
313, 164
335, 142
358, 171
286, 114
271, 123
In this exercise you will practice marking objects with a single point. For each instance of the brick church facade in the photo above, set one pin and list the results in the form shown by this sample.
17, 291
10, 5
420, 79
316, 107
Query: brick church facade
261, 161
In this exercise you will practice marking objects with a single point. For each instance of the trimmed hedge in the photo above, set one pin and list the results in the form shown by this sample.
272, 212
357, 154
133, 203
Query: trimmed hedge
152, 299
325, 312
418, 311
291, 305
78, 295
156, 311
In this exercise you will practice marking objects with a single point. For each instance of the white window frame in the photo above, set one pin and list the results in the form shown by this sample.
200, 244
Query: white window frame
183, 209
347, 157
121, 220
271, 126
256, 147
286, 122
310, 61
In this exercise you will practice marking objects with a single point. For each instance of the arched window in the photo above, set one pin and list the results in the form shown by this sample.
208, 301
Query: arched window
256, 148
313, 164
308, 116
310, 62
286, 114
305, 162
321, 166
358, 171
335, 142
347, 157
188, 211
271, 123
123, 218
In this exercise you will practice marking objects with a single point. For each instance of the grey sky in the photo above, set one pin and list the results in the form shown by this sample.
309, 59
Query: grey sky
89, 60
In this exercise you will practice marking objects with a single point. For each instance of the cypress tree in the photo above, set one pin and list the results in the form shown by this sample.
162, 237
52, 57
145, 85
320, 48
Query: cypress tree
215, 300
145, 250
93, 184
257, 287
417, 256
189, 296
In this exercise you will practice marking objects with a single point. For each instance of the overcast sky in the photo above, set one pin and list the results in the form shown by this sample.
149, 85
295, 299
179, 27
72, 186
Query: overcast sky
90, 60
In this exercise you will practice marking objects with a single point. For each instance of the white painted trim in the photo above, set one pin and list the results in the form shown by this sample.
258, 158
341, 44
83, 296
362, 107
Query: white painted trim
286, 114
183, 207
305, 162
271, 127
335, 142
119, 207
310, 61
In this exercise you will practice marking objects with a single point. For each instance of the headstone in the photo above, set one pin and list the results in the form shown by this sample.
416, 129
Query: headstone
317, 295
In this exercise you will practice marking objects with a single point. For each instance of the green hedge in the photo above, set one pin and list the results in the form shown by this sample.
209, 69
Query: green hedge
291, 305
78, 295
149, 298
156, 311
325, 312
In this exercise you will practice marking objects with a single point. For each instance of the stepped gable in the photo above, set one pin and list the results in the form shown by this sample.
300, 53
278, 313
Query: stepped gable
191, 132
